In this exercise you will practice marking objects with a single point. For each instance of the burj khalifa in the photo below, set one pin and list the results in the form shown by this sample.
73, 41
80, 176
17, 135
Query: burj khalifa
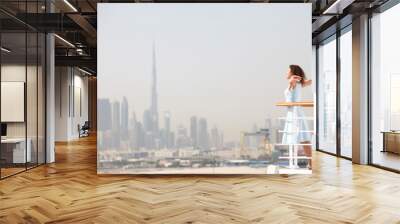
154, 100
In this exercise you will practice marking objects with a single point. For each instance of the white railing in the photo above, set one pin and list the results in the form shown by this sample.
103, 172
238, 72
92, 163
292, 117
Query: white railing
293, 149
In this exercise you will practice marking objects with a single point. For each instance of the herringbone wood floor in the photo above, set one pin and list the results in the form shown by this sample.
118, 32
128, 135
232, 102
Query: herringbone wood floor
69, 191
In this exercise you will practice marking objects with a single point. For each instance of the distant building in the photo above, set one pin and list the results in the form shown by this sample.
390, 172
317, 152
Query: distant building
268, 123
163, 138
116, 127
105, 116
132, 121
148, 140
255, 140
167, 129
147, 120
172, 139
105, 124
216, 140
147, 128
137, 135
182, 138
203, 134
152, 137
193, 131
124, 118
254, 145
221, 136
140, 135
154, 98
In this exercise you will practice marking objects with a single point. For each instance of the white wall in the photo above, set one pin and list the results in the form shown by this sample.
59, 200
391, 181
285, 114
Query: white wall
12, 73
33, 126
70, 83
17, 73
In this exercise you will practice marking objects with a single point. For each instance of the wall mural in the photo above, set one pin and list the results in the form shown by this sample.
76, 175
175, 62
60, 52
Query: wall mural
193, 88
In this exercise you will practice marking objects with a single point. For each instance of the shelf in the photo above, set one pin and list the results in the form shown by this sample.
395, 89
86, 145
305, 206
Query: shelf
296, 157
299, 104
294, 132
297, 118
280, 144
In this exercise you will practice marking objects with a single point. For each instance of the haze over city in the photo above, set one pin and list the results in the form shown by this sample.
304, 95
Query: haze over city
201, 72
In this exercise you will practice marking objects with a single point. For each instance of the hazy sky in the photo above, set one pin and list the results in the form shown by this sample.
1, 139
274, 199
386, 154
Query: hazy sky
224, 62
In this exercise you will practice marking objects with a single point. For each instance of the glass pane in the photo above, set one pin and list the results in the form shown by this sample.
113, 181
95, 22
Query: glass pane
346, 94
41, 99
31, 100
327, 96
13, 131
386, 89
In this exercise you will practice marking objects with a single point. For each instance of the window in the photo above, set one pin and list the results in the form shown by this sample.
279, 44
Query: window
385, 87
327, 96
346, 93
22, 76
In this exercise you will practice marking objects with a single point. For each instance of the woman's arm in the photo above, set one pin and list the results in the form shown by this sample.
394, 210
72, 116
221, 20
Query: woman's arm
293, 81
307, 82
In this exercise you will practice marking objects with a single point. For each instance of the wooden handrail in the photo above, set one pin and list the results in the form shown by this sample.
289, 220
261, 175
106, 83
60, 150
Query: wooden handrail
299, 104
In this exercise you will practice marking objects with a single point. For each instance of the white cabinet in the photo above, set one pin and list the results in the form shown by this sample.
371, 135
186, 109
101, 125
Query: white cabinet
19, 155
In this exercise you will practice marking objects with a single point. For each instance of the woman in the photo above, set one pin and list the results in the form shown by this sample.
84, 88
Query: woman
296, 129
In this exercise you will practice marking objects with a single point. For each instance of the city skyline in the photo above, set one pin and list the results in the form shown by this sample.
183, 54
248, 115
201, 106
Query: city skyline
152, 110
197, 132
147, 132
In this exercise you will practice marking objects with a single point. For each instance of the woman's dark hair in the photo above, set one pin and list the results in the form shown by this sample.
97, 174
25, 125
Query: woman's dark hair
297, 70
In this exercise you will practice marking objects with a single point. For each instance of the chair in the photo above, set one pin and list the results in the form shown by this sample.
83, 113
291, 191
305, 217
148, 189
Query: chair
84, 129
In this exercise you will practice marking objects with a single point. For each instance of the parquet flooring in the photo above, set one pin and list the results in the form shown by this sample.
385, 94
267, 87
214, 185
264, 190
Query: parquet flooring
10, 171
70, 191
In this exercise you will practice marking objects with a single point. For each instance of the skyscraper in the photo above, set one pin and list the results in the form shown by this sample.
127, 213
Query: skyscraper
140, 135
116, 124
135, 133
150, 116
148, 132
203, 134
182, 139
193, 131
217, 138
104, 118
167, 128
154, 96
105, 123
132, 121
124, 118
147, 121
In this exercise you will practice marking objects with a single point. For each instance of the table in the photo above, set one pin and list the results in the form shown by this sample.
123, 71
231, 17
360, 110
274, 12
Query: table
13, 150
391, 141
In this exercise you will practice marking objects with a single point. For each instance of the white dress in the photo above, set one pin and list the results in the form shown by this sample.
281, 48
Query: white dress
296, 128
